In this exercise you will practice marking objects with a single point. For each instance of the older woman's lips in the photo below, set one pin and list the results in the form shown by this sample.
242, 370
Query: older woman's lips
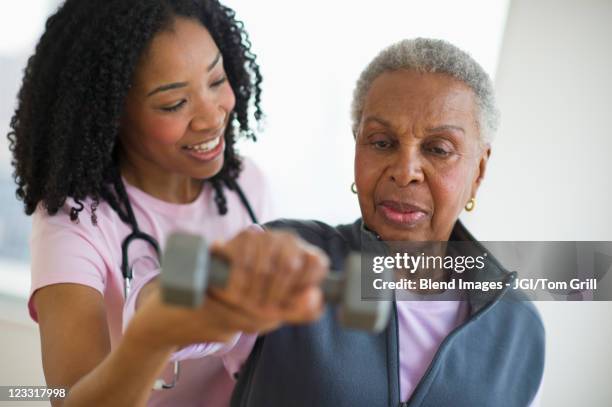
402, 214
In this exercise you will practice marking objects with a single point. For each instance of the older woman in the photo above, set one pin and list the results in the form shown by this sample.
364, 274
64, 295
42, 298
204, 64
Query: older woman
423, 118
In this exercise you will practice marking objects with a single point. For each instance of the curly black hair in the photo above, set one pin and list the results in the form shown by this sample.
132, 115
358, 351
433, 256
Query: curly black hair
65, 128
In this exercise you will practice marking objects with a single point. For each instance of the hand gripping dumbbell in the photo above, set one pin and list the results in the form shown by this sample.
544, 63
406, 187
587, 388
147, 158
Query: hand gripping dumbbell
188, 269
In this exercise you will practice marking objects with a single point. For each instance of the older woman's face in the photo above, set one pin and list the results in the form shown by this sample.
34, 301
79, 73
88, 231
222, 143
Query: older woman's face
418, 157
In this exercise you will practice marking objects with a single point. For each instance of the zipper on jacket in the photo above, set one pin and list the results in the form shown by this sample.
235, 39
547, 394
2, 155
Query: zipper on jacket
449, 338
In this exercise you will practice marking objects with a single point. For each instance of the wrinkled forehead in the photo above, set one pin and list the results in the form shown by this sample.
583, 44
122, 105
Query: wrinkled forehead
410, 98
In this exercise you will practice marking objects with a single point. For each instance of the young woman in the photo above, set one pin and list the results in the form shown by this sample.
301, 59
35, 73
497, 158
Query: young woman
125, 131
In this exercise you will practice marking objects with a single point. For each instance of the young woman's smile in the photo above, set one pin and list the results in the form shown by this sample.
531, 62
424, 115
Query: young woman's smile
207, 150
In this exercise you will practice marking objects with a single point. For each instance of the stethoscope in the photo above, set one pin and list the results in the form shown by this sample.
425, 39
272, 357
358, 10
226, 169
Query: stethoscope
127, 270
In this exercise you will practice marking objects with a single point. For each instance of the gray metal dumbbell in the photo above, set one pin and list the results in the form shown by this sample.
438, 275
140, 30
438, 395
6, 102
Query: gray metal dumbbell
188, 270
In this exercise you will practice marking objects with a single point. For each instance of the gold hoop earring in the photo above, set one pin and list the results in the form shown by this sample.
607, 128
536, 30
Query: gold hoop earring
353, 188
470, 205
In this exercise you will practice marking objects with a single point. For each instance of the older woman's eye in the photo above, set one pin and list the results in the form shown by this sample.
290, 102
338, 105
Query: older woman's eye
175, 107
439, 151
381, 144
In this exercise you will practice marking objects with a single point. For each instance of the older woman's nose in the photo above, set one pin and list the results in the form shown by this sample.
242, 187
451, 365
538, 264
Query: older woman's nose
407, 168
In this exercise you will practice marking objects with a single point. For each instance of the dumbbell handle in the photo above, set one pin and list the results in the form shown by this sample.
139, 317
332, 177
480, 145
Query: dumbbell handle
219, 271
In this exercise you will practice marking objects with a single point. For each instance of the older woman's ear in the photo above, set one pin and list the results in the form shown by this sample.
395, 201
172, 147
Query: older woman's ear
482, 168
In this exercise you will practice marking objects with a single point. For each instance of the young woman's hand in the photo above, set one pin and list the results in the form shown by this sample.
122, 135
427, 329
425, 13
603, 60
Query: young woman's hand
274, 279
273, 276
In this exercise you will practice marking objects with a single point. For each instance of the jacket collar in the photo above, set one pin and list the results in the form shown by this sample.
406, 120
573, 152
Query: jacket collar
493, 271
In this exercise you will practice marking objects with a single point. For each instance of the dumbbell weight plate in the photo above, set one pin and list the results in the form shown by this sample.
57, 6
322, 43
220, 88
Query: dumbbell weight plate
188, 270
184, 265
358, 313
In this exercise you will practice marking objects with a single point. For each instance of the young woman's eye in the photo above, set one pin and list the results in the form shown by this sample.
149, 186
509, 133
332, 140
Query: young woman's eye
174, 107
218, 82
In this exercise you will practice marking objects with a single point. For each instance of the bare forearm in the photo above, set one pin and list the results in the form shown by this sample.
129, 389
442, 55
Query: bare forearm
146, 291
124, 378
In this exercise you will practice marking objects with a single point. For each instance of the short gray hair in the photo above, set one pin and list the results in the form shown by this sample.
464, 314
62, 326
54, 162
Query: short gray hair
429, 55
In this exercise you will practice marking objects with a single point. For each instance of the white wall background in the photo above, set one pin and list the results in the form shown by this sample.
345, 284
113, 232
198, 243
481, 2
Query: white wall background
549, 173
311, 54
21, 23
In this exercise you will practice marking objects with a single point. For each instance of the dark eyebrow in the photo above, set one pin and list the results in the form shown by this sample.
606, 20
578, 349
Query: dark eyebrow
178, 85
445, 128
215, 62
163, 88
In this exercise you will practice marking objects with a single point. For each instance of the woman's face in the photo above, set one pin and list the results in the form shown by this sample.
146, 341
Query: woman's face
418, 156
179, 106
